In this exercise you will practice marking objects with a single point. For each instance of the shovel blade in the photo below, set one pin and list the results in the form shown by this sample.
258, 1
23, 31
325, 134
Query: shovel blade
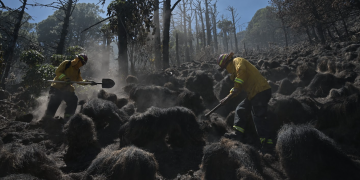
107, 83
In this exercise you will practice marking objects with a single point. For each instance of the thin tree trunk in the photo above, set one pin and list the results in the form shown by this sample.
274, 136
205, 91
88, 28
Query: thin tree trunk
190, 36
285, 32
234, 28
226, 41
214, 29
131, 59
177, 50
157, 41
10, 52
61, 46
203, 27
208, 30
123, 55
187, 56
197, 32
166, 33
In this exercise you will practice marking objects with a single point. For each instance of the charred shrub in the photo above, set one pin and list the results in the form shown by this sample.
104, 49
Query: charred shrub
155, 124
107, 118
131, 79
127, 163
201, 83
230, 160
147, 96
321, 84
107, 96
306, 153
191, 100
81, 136
18, 159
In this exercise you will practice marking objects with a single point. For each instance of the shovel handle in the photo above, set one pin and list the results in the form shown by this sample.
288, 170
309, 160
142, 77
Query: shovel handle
217, 106
79, 82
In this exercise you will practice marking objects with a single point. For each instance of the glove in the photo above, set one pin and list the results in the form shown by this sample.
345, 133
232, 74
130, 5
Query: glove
223, 101
67, 80
93, 83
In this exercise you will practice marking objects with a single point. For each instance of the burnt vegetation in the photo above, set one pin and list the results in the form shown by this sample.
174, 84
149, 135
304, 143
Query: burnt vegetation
151, 125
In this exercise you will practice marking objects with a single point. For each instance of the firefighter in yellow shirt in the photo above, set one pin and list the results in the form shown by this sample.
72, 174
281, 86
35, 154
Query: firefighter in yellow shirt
67, 71
246, 77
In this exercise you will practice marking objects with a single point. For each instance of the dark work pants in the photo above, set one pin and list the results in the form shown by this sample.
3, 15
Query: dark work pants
55, 98
258, 106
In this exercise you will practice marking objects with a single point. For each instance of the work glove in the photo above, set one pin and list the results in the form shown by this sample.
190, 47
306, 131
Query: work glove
67, 80
93, 83
223, 101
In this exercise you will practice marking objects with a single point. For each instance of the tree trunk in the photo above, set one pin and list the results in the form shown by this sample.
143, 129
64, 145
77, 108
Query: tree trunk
132, 64
187, 56
166, 33
105, 60
203, 27
214, 29
285, 32
122, 46
10, 52
208, 30
157, 41
234, 28
61, 46
226, 44
177, 50
190, 37
197, 32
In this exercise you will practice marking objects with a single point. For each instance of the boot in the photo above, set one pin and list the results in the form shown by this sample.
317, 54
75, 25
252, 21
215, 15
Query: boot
237, 136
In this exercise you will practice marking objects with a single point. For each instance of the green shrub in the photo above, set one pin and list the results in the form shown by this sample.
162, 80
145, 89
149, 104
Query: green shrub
35, 79
32, 57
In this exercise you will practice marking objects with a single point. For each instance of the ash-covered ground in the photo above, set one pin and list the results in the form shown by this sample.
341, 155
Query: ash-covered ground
154, 127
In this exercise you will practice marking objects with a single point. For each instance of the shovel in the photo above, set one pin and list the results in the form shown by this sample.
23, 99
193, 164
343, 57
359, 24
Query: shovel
105, 83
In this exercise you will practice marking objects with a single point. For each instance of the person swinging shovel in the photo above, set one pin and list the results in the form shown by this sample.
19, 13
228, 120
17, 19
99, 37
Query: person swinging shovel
62, 89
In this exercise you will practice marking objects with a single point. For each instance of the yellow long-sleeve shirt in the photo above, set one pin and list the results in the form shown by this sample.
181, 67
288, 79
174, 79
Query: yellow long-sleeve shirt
72, 72
246, 77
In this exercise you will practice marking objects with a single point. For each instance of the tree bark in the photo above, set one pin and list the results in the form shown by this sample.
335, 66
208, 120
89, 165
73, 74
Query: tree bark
166, 33
234, 28
61, 46
122, 46
157, 41
10, 52
202, 26
197, 32
187, 56
190, 37
285, 32
208, 30
177, 50
214, 29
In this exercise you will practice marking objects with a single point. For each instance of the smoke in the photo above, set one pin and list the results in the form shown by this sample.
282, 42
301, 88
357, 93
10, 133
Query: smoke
41, 102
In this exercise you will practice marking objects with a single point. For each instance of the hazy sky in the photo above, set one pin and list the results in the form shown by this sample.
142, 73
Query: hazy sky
245, 8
